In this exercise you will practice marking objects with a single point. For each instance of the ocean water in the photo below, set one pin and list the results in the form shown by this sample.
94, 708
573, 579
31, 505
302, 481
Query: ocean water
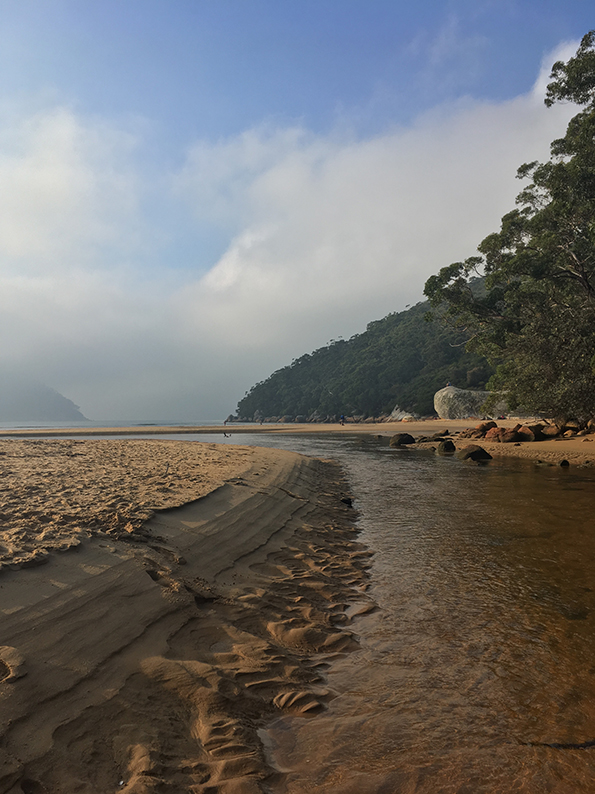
92, 423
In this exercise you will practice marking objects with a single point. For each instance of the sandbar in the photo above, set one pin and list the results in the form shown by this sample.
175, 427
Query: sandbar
160, 602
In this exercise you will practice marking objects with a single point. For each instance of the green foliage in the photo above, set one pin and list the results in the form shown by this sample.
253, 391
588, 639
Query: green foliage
401, 359
535, 317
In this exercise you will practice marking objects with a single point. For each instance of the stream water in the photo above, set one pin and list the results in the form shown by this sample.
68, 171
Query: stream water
477, 672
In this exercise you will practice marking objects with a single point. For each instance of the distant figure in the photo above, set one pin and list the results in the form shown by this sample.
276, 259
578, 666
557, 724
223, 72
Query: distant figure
342, 419
224, 423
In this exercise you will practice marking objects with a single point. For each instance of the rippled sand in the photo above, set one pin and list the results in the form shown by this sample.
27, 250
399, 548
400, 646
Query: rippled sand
159, 603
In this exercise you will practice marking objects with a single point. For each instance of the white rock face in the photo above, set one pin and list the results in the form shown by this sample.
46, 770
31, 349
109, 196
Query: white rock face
453, 403
397, 415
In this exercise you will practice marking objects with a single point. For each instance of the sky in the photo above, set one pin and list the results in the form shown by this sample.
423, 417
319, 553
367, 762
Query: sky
195, 192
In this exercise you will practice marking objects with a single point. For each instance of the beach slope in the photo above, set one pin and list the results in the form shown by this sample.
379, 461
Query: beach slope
143, 649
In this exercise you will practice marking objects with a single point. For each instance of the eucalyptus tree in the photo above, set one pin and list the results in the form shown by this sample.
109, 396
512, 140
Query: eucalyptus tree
527, 302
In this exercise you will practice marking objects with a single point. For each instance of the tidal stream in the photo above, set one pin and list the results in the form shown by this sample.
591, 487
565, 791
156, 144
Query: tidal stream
477, 671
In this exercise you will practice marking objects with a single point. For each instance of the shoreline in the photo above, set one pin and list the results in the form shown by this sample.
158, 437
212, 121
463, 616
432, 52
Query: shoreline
577, 450
152, 654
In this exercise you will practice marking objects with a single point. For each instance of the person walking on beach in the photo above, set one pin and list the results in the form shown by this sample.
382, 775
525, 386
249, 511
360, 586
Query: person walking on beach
342, 419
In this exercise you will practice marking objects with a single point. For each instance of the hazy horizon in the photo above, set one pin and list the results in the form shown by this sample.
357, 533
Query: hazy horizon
197, 193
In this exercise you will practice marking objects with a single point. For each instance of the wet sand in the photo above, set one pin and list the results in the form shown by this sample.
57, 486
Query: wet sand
160, 601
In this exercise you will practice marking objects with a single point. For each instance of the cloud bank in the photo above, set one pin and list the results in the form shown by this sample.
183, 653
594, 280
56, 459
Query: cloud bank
324, 234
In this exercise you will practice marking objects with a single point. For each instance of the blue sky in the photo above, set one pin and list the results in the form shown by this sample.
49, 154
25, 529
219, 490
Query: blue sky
211, 68
196, 191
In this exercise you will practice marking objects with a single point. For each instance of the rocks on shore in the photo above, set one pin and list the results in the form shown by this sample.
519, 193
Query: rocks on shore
530, 432
401, 440
473, 452
446, 447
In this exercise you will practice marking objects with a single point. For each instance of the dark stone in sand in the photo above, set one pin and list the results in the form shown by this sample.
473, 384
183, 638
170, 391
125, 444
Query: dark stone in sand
446, 447
473, 452
401, 439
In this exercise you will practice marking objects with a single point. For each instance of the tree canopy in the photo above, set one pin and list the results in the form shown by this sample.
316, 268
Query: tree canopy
401, 359
533, 314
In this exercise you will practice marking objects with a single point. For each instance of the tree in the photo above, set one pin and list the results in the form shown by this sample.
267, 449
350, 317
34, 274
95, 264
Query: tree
528, 301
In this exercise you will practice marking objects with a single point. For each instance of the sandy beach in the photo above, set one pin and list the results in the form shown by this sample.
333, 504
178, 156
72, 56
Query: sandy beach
159, 601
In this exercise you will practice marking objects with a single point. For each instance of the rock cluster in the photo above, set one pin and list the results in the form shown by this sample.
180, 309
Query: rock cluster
446, 446
530, 432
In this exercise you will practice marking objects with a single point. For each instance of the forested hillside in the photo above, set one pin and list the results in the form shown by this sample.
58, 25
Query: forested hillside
399, 360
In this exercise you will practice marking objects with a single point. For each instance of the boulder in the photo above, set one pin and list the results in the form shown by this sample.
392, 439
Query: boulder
473, 452
495, 434
551, 431
526, 433
537, 431
483, 427
510, 436
453, 403
446, 447
401, 439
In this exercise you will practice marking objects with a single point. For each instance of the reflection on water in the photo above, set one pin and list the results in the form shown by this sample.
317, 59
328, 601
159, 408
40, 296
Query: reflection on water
482, 655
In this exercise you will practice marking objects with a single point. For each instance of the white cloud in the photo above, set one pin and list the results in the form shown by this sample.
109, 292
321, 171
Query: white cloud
326, 233
67, 191
562, 52
335, 233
